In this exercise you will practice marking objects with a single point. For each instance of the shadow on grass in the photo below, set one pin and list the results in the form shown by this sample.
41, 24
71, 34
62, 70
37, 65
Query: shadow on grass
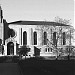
9, 59
38, 66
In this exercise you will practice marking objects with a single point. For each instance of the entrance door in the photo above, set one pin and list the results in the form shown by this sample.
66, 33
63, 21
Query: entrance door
10, 48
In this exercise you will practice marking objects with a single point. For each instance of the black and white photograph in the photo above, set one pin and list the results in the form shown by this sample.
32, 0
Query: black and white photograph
37, 37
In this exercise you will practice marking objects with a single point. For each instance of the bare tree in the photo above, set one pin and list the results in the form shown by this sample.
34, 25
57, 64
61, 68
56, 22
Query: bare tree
50, 44
62, 21
70, 30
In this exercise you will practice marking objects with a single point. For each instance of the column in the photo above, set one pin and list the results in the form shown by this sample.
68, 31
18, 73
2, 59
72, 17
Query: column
20, 36
60, 36
28, 36
58, 41
31, 37
51, 36
5, 50
40, 37
15, 48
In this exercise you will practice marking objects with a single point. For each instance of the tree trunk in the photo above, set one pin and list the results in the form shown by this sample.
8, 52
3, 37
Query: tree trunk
20, 56
25, 56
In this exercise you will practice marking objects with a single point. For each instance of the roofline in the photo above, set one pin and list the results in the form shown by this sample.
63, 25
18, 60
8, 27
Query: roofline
37, 23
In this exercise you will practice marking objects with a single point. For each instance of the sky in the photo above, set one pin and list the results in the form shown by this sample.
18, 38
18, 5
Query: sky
39, 10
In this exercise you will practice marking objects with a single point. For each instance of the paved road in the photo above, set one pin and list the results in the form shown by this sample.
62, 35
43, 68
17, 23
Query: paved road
9, 69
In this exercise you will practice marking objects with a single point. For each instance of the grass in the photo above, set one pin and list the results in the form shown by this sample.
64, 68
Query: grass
3, 59
37, 66
15, 59
7, 59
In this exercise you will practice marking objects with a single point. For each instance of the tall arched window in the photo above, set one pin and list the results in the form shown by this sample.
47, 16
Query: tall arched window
45, 38
24, 38
54, 38
64, 38
35, 38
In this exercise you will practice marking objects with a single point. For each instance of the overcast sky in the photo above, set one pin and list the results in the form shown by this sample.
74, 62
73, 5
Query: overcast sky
37, 9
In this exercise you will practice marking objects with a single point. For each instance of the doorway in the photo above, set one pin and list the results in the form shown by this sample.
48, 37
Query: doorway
10, 48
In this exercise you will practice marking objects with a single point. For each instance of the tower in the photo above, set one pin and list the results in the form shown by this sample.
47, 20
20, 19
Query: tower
1, 15
1, 25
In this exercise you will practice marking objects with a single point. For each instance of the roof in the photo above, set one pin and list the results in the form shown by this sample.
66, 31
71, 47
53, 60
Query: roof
37, 23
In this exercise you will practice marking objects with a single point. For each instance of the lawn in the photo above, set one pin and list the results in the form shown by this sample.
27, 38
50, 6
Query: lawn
36, 66
40, 65
8, 59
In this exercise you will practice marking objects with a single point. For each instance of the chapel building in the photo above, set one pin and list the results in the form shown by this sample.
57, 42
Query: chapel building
40, 34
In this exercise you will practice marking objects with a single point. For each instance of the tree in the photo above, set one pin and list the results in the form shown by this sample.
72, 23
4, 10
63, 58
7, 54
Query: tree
70, 30
62, 21
54, 48
23, 51
11, 33
50, 44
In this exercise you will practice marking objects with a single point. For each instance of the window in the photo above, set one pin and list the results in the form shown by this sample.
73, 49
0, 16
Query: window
35, 38
45, 38
45, 49
24, 38
64, 38
54, 38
